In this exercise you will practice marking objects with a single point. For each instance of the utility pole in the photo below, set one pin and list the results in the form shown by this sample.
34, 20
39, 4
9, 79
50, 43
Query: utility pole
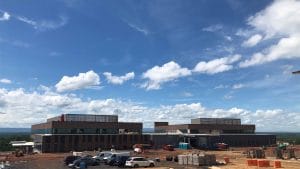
296, 72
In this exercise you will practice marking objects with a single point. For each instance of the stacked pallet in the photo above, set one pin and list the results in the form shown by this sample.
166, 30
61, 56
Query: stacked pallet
256, 153
197, 159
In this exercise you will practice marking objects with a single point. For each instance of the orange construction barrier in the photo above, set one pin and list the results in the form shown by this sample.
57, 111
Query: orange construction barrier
252, 162
277, 164
226, 159
263, 163
249, 162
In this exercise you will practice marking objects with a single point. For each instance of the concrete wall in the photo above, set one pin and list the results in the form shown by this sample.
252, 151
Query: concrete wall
66, 143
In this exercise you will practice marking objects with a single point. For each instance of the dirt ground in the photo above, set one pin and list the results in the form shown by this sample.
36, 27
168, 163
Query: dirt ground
237, 160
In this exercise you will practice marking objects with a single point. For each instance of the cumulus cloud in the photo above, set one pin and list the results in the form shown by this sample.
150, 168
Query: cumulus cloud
252, 41
5, 81
161, 74
83, 80
118, 79
5, 16
279, 20
286, 48
35, 107
217, 65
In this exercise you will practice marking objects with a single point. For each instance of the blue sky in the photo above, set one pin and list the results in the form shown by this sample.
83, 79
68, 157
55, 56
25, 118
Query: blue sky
151, 58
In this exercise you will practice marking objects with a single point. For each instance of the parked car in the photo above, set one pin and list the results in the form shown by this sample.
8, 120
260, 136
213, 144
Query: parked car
111, 159
168, 147
89, 161
102, 156
121, 161
222, 146
70, 159
139, 162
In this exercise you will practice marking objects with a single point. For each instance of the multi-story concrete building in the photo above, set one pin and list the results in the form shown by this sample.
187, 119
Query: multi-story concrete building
77, 132
72, 132
208, 131
207, 126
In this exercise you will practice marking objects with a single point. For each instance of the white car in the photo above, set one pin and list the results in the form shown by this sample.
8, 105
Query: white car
139, 162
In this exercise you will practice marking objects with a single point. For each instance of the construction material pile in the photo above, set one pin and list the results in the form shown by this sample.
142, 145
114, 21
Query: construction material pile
256, 153
197, 159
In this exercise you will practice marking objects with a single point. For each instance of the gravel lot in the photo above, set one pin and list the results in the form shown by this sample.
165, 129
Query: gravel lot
237, 160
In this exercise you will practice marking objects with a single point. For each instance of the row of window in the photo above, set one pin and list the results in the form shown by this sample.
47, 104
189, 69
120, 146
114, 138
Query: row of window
81, 131
93, 138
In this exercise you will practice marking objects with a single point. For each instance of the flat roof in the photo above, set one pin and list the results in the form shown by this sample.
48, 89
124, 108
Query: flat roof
186, 134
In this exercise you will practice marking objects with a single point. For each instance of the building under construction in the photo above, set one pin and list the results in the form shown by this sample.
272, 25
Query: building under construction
79, 132
205, 132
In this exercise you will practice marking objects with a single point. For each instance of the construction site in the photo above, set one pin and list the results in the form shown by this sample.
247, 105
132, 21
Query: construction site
205, 143
78, 132
234, 158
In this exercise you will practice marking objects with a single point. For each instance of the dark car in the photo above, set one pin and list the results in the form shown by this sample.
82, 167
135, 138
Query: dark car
120, 161
111, 160
70, 159
89, 161
168, 147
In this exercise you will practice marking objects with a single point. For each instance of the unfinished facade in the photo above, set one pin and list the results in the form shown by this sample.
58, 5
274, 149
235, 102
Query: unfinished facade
72, 132
208, 131
207, 126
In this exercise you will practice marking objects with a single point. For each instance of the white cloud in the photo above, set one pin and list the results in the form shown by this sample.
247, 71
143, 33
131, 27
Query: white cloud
83, 80
35, 107
279, 20
228, 96
187, 94
5, 81
16, 43
5, 16
213, 28
44, 24
244, 33
161, 74
238, 86
217, 65
252, 41
139, 29
118, 79
287, 69
221, 86
229, 38
286, 48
